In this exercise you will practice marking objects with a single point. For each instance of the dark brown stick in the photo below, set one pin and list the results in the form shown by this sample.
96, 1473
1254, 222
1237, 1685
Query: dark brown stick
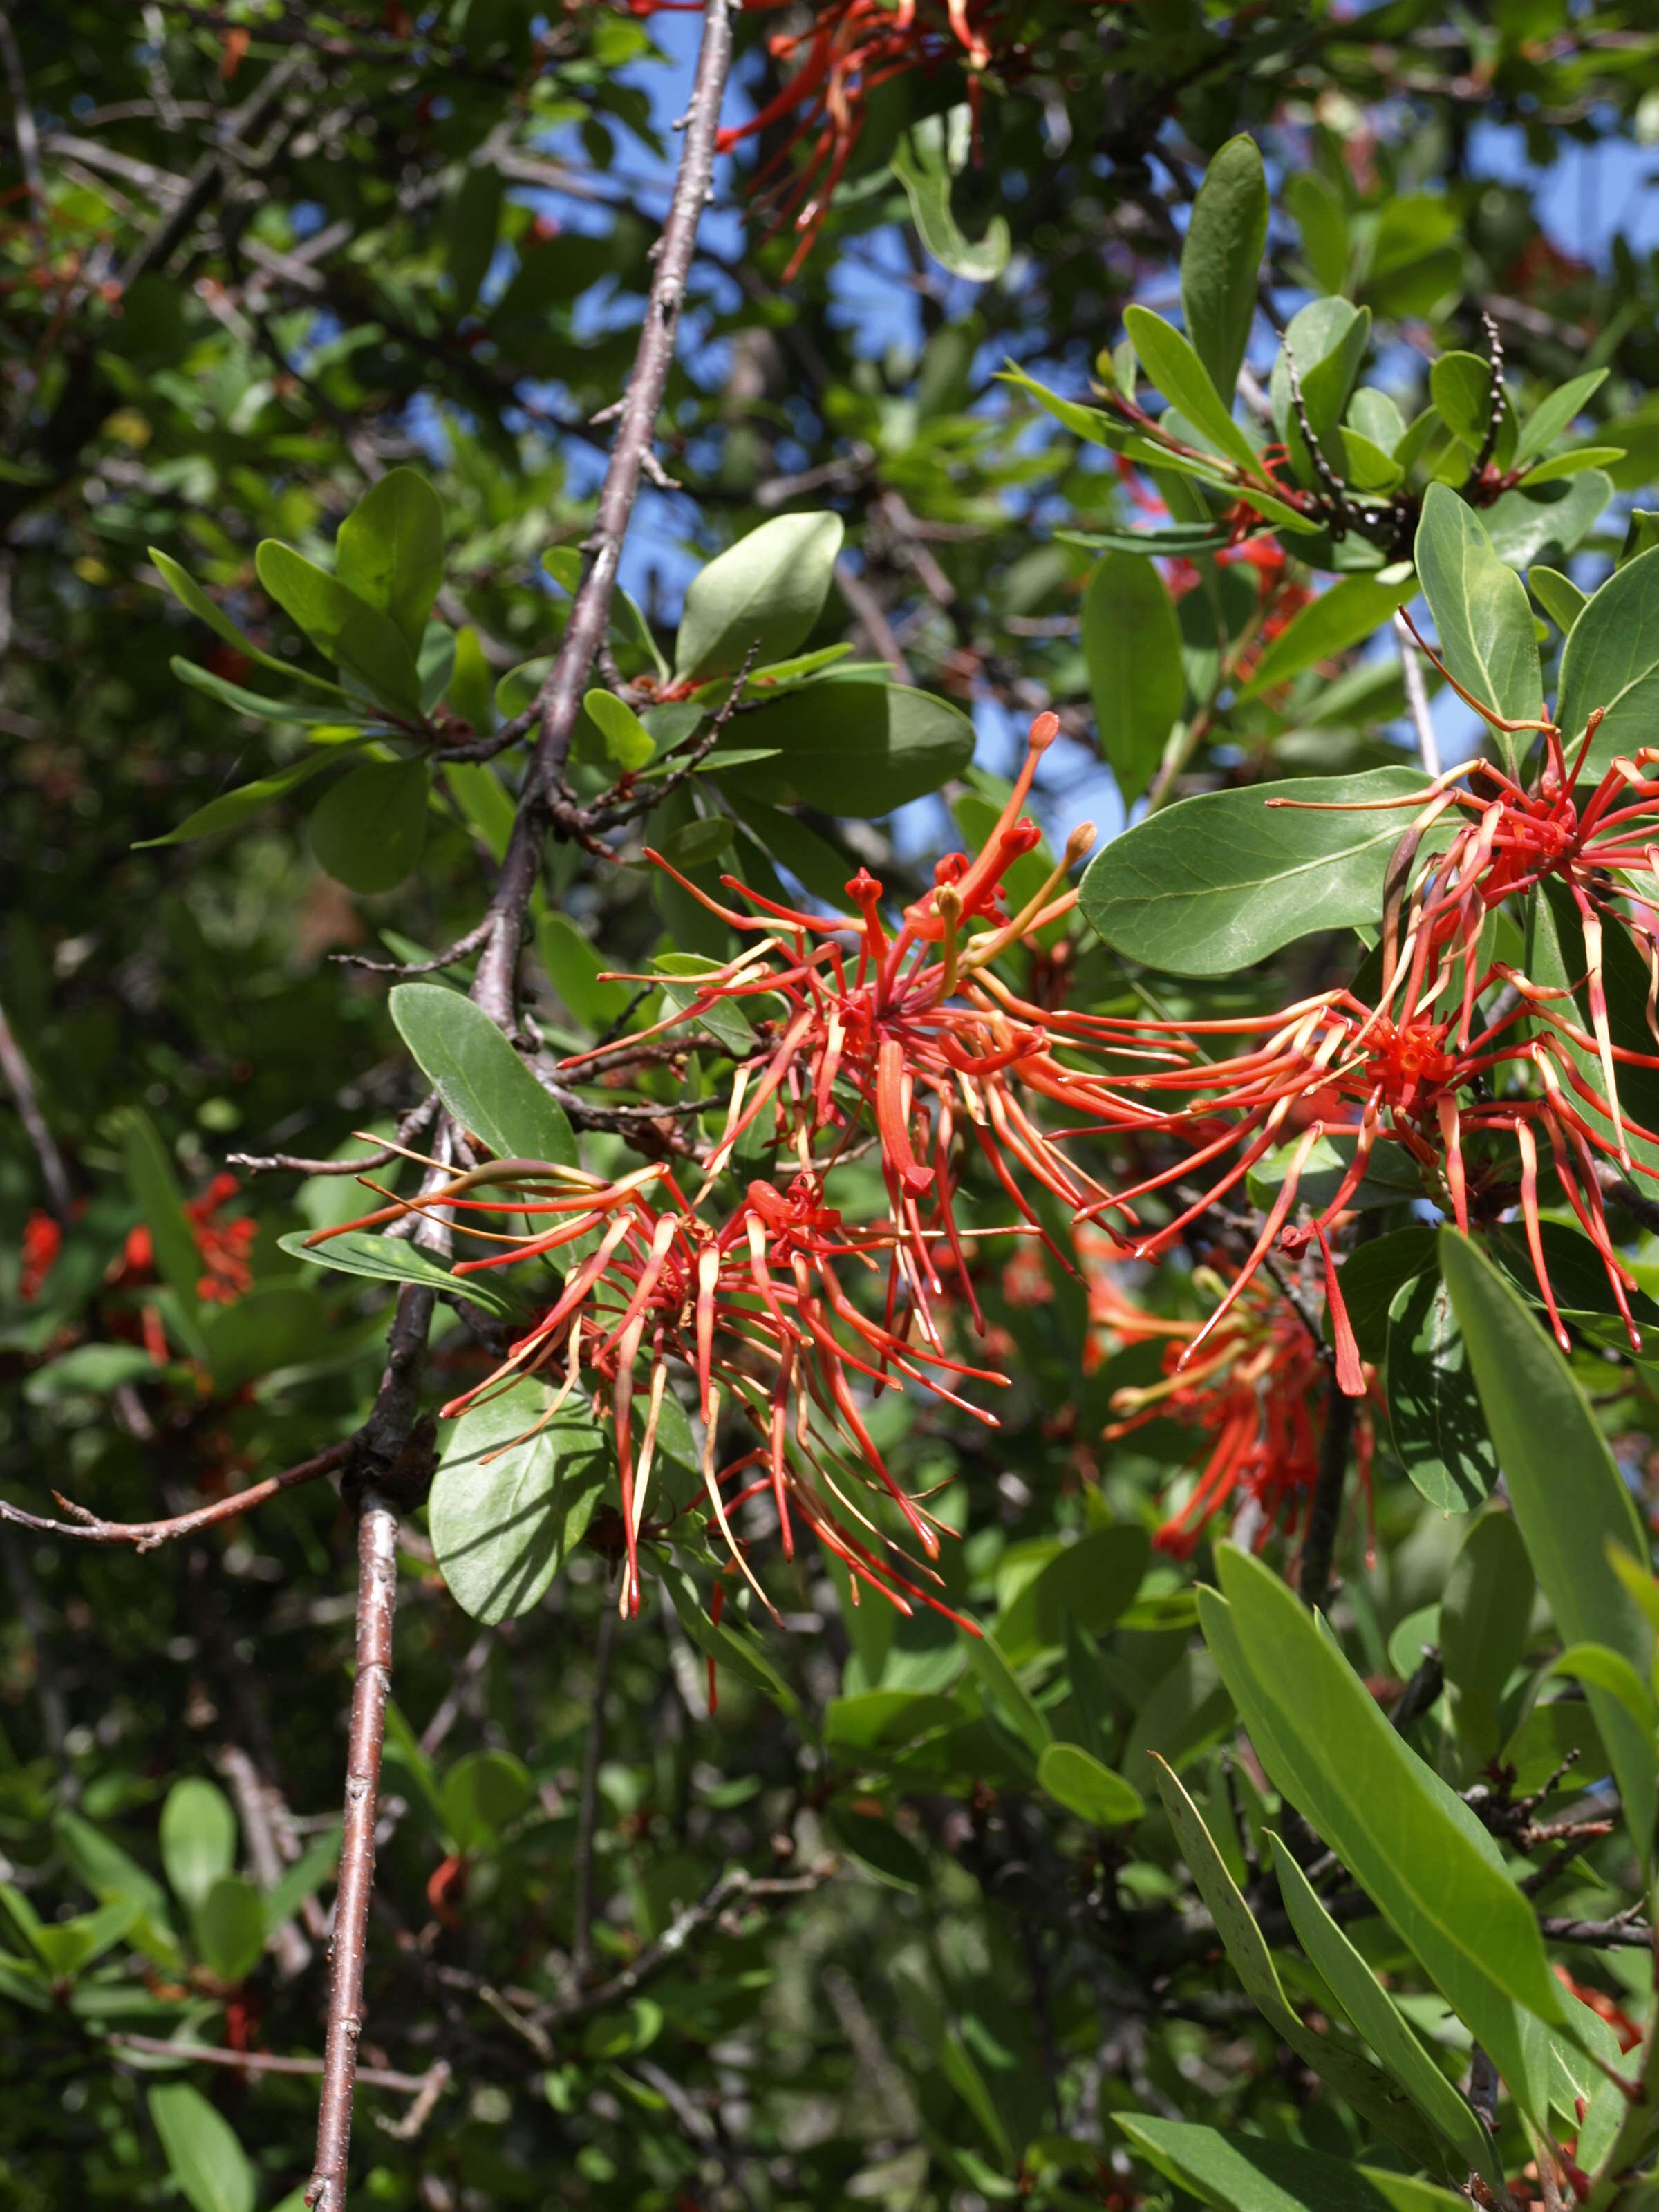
1325, 1515
20, 1081
495, 986
377, 1584
145, 1536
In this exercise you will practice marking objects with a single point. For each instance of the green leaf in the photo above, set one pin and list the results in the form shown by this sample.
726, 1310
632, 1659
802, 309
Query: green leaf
1132, 643
231, 808
1527, 526
395, 1259
1373, 2013
262, 710
390, 550
1461, 386
1008, 1697
765, 591
341, 624
729, 1643
627, 740
1353, 2078
369, 829
1568, 1497
189, 593
1611, 661
110, 1873
696, 843
229, 1923
1342, 616
870, 1838
885, 1720
1484, 1618
508, 1506
1221, 259
1434, 1413
923, 161
1171, 364
482, 1794
1609, 1671
303, 1879
1413, 1846
1578, 463
203, 2154
155, 1193
574, 967
1559, 596
1327, 340
852, 747
1479, 606
1322, 220
1555, 413
197, 1839
1248, 2174
479, 1077
1083, 1786
1216, 883
1181, 540
726, 1022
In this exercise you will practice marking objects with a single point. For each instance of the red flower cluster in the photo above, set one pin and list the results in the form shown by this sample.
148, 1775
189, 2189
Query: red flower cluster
1256, 1396
42, 1241
221, 1246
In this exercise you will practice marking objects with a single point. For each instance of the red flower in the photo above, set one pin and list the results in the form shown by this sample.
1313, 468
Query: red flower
42, 1241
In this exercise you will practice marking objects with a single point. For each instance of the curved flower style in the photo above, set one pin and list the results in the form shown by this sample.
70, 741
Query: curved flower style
1255, 1396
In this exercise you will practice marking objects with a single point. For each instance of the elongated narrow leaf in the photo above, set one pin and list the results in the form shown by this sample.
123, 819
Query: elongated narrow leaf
1557, 412
1410, 1842
1434, 1413
850, 745
1181, 377
232, 808
1218, 882
1352, 2075
1079, 1782
155, 1192
1568, 1496
1349, 612
202, 2152
306, 711
1248, 2174
479, 1077
395, 1259
1611, 661
391, 549
1221, 258
1132, 644
1480, 608
1484, 1620
189, 593
1379, 2019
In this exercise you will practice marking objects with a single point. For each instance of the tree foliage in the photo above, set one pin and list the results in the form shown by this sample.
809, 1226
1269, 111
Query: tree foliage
1015, 1450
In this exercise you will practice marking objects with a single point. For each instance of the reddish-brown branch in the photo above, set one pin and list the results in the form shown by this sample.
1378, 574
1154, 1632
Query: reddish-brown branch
266, 2062
377, 1584
495, 984
145, 1536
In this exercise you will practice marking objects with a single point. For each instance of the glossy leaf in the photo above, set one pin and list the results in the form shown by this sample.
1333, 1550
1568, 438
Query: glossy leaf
342, 625
627, 740
1373, 2013
510, 1499
765, 592
369, 829
1216, 883
1132, 643
1349, 611
1172, 365
923, 161
229, 1926
232, 808
395, 1259
1412, 1845
1555, 413
202, 2152
1484, 1618
190, 594
1559, 596
1434, 1411
1611, 661
852, 747
1569, 1498
390, 549
1085, 1786
479, 1077
198, 1837
1220, 257
482, 1794
1480, 608
1250, 2173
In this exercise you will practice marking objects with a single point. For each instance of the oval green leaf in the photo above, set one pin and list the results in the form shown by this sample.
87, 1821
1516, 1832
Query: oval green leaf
508, 1505
1083, 1786
1132, 645
479, 1077
369, 829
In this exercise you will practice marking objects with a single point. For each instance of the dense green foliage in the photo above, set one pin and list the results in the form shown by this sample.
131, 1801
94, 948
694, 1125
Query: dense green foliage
1123, 1864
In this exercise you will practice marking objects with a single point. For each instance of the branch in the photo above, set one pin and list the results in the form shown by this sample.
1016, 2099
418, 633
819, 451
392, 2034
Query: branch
266, 2062
20, 1081
1417, 697
377, 1585
1494, 406
146, 1535
495, 986
1325, 1516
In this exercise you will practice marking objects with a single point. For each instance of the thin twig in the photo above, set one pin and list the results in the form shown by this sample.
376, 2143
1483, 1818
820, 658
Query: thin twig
581, 1942
145, 1536
23, 115
1417, 697
377, 1555
1494, 406
247, 1786
267, 2062
20, 1081
495, 986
